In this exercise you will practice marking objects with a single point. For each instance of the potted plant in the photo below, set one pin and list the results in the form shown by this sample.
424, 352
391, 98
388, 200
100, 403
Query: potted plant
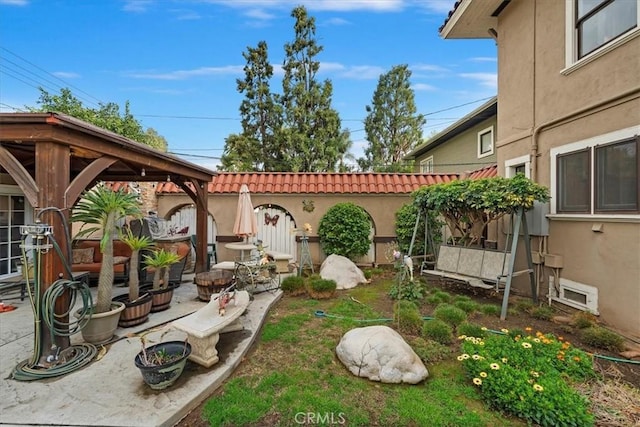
162, 364
319, 288
160, 260
137, 307
99, 210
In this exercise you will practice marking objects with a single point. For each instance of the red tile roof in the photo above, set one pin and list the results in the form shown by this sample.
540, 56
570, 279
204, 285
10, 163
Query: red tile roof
485, 172
316, 183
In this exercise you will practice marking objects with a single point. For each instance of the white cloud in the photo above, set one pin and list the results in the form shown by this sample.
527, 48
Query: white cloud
427, 67
136, 6
187, 74
362, 72
485, 79
437, 6
66, 75
484, 59
186, 14
335, 22
14, 2
259, 14
423, 87
324, 5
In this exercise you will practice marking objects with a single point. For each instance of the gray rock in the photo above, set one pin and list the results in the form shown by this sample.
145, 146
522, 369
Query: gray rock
380, 354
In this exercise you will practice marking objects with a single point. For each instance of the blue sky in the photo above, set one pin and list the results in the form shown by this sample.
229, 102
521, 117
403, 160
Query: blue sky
177, 61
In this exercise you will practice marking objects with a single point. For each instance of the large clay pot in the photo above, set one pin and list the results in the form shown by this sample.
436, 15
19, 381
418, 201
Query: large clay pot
101, 327
135, 313
162, 375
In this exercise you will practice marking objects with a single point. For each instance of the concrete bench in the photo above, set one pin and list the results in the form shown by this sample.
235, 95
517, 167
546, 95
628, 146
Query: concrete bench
482, 268
281, 259
224, 265
205, 326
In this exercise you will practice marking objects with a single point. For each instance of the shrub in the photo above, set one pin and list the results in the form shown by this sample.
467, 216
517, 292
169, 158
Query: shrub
466, 306
439, 297
489, 309
450, 314
526, 377
344, 230
406, 317
438, 331
319, 288
293, 285
542, 313
524, 305
430, 351
470, 330
407, 290
405, 225
583, 320
602, 338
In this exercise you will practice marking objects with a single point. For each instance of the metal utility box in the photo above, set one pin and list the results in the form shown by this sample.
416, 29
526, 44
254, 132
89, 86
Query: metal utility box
537, 221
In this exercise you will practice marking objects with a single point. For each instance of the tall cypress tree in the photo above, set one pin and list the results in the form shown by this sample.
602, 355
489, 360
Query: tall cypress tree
392, 126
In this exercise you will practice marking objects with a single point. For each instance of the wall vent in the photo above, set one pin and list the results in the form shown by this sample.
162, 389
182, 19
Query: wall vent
574, 294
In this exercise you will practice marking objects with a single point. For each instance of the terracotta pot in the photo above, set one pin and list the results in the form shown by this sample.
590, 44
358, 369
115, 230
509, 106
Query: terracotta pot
136, 312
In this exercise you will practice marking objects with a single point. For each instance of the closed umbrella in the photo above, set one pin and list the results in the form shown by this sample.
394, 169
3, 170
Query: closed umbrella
245, 224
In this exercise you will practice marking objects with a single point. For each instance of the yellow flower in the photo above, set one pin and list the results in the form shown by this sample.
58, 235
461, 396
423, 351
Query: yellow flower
505, 330
477, 381
461, 337
476, 357
480, 342
495, 366
460, 358
505, 360
463, 356
535, 374
483, 374
484, 328
576, 358
526, 345
538, 387
528, 329
536, 340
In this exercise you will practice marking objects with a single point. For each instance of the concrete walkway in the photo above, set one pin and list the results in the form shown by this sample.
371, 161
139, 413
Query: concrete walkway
110, 391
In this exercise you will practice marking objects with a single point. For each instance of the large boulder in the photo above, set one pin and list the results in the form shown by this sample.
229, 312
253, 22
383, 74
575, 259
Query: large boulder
341, 269
380, 354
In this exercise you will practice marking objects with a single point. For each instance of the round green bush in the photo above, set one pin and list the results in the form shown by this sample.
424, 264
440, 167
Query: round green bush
344, 230
466, 306
293, 285
438, 331
450, 314
489, 309
406, 317
320, 288
602, 338
470, 330
430, 351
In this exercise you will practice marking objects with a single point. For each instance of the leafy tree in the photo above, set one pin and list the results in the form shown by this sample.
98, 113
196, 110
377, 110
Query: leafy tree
256, 148
106, 116
311, 136
392, 126
344, 230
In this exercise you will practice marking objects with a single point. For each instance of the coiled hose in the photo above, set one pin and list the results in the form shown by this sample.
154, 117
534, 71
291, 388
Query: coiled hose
58, 361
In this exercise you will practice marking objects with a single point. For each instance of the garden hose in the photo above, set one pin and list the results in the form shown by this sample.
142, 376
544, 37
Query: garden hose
57, 362
320, 313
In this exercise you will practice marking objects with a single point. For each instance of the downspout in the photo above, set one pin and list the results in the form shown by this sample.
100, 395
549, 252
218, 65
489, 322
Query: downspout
570, 117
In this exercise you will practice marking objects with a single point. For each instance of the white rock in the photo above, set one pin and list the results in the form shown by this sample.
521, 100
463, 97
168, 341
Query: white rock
341, 269
380, 354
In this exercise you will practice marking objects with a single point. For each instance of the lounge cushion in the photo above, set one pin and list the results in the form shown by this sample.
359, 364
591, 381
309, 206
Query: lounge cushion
82, 256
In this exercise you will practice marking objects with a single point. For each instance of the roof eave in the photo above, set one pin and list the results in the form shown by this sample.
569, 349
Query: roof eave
472, 19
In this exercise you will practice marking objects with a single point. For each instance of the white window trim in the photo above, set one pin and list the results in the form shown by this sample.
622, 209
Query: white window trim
581, 145
591, 293
14, 190
426, 162
571, 44
511, 164
493, 142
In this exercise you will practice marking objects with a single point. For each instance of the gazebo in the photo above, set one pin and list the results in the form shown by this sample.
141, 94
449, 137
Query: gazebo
53, 158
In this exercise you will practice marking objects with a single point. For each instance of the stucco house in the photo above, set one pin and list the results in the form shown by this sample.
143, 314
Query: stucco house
467, 144
569, 96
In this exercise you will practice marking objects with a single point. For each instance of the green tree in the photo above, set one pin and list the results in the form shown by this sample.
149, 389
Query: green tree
392, 126
344, 230
106, 116
256, 148
312, 137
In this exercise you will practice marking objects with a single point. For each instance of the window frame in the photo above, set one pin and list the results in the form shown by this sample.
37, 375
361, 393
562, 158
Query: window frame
572, 61
591, 144
511, 165
426, 163
481, 133
12, 190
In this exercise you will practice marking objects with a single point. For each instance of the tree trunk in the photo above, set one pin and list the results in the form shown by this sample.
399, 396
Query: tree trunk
134, 279
105, 280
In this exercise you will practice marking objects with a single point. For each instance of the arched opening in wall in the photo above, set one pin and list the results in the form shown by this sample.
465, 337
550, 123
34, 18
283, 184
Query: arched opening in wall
275, 225
184, 217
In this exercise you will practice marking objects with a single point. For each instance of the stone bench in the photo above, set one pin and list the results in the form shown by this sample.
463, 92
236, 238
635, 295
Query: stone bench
224, 265
281, 259
482, 268
205, 326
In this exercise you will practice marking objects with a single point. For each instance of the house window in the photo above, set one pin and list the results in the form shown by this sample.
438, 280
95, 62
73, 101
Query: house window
598, 22
518, 165
13, 214
598, 176
426, 165
595, 27
485, 142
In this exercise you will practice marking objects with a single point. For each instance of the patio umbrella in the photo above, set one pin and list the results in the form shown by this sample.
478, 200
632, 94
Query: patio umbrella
245, 224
